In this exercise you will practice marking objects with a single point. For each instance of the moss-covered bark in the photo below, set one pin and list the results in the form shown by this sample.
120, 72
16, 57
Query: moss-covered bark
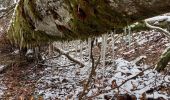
22, 30
36, 22
40, 21
163, 61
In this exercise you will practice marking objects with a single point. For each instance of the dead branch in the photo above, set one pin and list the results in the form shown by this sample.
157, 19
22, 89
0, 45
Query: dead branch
68, 56
165, 32
116, 87
93, 71
158, 20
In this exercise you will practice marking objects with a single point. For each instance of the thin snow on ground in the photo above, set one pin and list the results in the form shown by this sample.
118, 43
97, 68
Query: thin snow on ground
141, 39
67, 82
64, 79
142, 83
60, 81
63, 82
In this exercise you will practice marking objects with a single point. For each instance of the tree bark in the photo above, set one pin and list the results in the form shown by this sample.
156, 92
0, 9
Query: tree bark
163, 61
40, 21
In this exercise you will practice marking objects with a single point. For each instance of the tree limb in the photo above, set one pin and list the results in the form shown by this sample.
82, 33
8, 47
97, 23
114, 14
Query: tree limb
166, 33
43, 21
68, 56
106, 91
93, 72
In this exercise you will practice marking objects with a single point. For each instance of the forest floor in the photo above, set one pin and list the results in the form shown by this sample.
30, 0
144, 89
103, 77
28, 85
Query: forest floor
58, 78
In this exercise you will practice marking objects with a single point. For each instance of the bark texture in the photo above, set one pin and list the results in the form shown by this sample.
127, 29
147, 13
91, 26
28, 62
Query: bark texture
163, 61
40, 21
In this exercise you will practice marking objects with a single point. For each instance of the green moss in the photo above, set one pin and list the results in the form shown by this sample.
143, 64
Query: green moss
89, 19
163, 62
99, 18
22, 32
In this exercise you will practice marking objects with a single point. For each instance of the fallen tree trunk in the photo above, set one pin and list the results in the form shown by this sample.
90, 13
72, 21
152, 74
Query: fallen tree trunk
40, 21
36, 22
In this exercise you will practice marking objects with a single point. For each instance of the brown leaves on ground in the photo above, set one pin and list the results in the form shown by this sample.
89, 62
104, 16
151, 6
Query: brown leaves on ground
20, 81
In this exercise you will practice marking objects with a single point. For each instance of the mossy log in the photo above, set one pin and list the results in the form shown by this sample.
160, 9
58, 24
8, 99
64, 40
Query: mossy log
40, 21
